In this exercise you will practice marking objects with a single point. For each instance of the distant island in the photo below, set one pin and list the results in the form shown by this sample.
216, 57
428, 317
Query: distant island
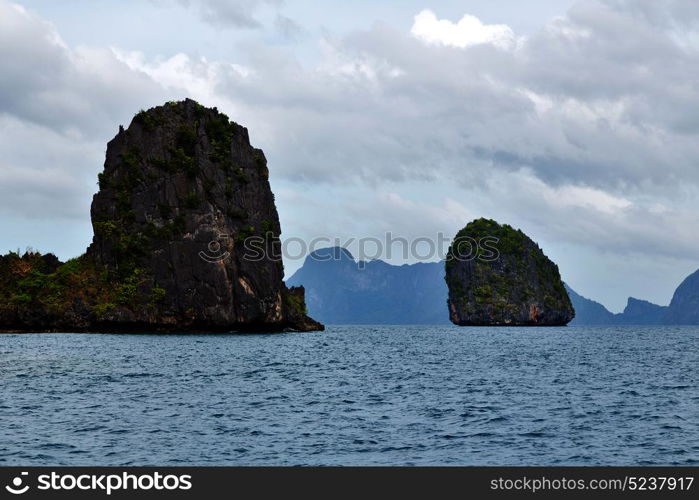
181, 191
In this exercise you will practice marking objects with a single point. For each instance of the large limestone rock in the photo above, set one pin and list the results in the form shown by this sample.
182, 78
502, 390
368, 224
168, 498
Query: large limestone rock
186, 235
497, 276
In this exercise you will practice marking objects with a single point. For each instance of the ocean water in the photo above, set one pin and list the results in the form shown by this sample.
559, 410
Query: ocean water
354, 395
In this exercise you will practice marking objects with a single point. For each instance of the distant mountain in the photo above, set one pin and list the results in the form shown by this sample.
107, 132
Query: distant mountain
637, 312
587, 311
642, 312
684, 307
340, 291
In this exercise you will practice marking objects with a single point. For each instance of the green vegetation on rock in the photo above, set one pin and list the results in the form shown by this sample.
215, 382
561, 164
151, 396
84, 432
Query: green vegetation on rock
149, 120
296, 303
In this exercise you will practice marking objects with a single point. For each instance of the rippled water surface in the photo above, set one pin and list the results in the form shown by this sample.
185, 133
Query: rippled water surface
353, 395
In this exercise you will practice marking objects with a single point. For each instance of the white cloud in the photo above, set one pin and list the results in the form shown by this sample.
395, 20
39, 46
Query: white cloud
468, 31
183, 75
595, 199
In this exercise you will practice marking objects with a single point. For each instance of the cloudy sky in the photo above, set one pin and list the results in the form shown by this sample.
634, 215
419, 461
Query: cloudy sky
575, 121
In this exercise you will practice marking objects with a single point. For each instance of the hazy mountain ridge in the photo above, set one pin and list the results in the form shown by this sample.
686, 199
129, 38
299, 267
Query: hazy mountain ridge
636, 312
340, 290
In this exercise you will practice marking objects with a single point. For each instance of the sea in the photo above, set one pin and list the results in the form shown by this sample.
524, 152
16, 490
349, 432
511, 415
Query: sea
353, 395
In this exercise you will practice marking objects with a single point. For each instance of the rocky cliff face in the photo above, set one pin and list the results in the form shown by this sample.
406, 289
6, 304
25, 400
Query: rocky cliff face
497, 276
186, 235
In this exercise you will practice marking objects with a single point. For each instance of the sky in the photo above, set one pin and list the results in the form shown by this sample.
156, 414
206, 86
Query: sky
573, 120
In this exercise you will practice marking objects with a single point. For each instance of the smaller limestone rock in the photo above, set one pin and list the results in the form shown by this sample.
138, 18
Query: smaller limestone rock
497, 276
